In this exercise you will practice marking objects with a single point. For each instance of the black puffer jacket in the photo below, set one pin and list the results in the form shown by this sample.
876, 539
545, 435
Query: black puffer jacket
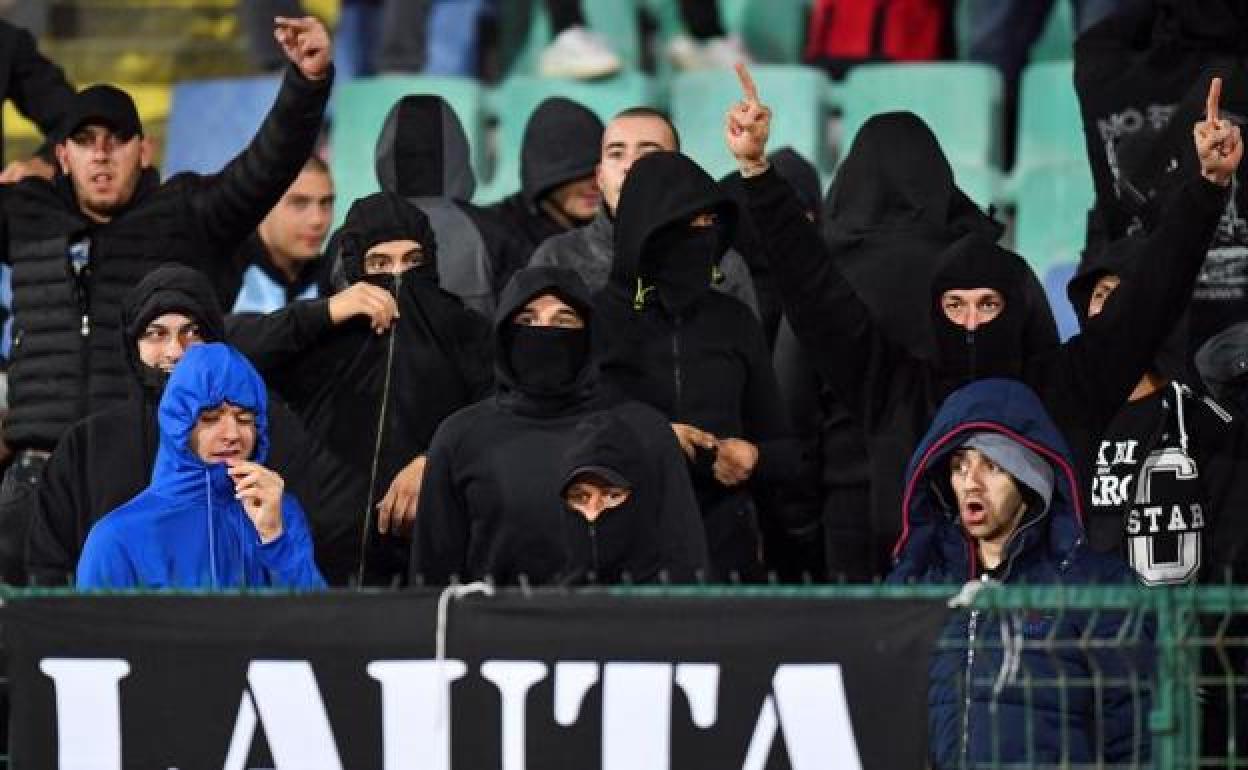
66, 331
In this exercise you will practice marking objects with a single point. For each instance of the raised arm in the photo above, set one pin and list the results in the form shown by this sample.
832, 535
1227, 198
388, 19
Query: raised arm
1118, 345
832, 322
40, 91
229, 205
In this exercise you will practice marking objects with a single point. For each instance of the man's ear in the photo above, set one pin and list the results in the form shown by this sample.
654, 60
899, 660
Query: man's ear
147, 151
62, 156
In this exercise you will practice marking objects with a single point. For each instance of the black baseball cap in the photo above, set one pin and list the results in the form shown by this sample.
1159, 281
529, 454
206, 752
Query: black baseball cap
103, 104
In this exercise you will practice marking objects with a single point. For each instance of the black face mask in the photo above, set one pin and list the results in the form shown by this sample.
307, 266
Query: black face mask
680, 261
994, 349
152, 378
547, 359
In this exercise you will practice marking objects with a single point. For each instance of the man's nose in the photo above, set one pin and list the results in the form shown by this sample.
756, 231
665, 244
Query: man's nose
972, 320
230, 429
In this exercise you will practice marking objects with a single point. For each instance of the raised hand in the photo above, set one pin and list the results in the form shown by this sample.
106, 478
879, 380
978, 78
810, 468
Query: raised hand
1218, 142
364, 299
747, 126
306, 43
260, 492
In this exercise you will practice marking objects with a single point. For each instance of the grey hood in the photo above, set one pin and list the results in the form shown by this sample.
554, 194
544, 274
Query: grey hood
423, 152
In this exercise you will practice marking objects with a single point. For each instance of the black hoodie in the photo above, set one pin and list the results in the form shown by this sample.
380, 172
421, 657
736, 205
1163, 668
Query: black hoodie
562, 142
700, 358
430, 364
491, 503
894, 393
424, 156
106, 459
1142, 77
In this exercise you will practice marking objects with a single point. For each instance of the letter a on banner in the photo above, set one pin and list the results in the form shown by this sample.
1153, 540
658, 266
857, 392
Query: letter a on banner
289, 704
416, 711
809, 704
88, 711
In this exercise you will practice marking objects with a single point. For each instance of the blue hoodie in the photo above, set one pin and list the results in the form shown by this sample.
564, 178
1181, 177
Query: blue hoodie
1010, 687
186, 529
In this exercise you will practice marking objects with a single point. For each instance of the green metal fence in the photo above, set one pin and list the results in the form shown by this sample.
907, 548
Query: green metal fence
1172, 659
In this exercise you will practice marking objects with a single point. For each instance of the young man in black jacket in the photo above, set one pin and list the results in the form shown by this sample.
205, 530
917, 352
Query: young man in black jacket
78, 243
106, 459
491, 507
696, 355
977, 311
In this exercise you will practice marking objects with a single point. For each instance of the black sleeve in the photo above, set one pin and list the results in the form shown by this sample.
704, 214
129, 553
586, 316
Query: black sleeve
271, 340
763, 415
835, 327
440, 537
230, 204
36, 85
475, 339
685, 556
799, 391
1117, 346
58, 529
329, 491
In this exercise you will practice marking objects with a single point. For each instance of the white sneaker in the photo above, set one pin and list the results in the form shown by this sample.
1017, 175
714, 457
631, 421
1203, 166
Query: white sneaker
684, 53
725, 52
578, 53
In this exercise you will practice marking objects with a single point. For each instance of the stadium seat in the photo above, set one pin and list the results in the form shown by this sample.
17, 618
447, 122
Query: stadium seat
514, 101
1050, 127
773, 30
1052, 212
1055, 43
360, 108
961, 102
211, 121
795, 95
1054, 280
615, 20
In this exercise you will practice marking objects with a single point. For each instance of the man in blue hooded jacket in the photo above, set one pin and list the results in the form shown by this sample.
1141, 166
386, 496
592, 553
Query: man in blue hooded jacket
213, 516
991, 495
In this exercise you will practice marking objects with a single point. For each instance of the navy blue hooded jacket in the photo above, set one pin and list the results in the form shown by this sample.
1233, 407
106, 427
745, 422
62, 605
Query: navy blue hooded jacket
994, 693
187, 530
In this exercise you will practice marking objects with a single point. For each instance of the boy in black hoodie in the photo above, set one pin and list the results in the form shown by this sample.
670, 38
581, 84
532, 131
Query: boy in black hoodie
978, 311
697, 355
491, 504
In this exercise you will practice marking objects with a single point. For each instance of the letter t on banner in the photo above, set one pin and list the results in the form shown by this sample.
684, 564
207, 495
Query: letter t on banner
88, 711
415, 711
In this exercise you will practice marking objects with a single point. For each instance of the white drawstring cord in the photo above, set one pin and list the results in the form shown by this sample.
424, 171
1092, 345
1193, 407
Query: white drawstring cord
456, 592
1178, 399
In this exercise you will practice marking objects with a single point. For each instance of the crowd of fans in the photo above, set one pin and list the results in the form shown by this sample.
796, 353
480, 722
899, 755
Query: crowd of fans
627, 372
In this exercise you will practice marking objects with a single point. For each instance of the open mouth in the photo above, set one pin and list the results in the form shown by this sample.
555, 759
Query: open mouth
973, 512
228, 454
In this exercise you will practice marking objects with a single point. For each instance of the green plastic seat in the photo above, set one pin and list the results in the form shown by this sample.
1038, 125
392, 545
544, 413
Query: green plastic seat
615, 20
773, 30
699, 101
1052, 214
515, 100
360, 108
1050, 128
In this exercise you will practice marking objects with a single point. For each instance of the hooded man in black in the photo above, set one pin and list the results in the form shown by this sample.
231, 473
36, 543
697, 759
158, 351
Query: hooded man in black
491, 505
423, 155
376, 400
557, 187
106, 459
696, 355
979, 315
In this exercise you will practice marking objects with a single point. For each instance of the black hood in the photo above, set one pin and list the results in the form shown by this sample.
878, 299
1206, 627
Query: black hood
895, 174
422, 151
1111, 258
661, 189
562, 143
1223, 364
1209, 25
525, 284
169, 288
997, 348
378, 218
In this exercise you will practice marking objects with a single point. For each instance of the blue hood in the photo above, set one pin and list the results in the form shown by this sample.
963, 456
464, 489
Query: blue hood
207, 375
932, 539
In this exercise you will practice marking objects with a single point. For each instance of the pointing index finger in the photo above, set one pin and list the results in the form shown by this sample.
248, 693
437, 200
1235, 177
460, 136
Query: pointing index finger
747, 83
1211, 104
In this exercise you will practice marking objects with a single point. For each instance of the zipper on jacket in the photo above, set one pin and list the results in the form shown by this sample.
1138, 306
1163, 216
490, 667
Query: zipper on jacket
677, 376
81, 277
966, 696
970, 344
593, 551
